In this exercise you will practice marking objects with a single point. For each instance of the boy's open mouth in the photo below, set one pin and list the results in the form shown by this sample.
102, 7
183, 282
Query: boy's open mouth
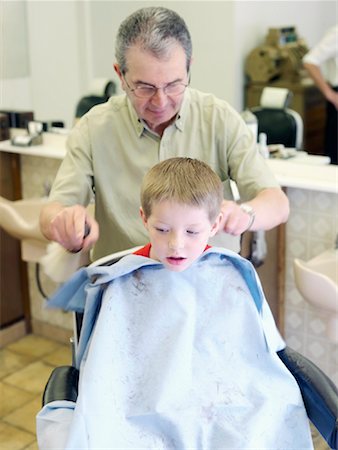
175, 259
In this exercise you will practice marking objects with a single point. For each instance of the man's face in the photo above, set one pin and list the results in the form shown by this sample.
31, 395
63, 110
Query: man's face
145, 70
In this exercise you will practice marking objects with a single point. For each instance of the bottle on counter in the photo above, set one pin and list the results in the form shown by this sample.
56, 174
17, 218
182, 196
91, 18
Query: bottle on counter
251, 120
263, 146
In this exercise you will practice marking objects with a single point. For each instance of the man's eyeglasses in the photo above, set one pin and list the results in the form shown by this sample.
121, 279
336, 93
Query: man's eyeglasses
148, 91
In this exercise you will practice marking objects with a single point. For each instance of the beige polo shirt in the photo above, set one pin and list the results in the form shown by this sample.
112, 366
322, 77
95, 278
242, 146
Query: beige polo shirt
110, 150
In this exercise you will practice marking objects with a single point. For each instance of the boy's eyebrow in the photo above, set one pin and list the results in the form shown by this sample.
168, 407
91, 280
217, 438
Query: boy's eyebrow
192, 225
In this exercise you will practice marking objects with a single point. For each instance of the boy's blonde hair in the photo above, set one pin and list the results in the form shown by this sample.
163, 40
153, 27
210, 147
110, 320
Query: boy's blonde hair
184, 180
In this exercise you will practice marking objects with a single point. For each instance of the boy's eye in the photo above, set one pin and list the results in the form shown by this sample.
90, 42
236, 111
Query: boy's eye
161, 230
192, 232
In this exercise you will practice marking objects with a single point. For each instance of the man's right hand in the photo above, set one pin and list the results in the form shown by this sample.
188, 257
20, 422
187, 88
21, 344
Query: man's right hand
71, 226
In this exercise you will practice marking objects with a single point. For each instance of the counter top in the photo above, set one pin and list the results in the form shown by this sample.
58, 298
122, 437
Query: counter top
53, 146
302, 171
305, 173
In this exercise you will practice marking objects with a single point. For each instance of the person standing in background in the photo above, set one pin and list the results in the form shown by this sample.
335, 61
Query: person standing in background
321, 62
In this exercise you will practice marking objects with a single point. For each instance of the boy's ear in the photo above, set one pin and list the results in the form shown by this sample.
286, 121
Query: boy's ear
216, 225
143, 217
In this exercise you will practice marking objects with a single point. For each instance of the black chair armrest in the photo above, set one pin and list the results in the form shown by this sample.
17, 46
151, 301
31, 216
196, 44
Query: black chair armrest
62, 385
320, 395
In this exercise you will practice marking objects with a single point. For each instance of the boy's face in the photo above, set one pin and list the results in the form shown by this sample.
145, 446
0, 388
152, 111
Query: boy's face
178, 233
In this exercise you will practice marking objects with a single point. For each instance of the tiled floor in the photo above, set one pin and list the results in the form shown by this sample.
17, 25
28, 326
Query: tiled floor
25, 366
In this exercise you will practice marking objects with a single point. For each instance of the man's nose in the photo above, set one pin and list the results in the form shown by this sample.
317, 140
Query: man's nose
159, 98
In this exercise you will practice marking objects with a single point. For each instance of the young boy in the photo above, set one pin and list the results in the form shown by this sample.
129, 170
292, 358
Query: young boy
181, 202
177, 359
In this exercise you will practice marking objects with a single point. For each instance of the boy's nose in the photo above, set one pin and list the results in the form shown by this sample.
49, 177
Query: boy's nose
176, 242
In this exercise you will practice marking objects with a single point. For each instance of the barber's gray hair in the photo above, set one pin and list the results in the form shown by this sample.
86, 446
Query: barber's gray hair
155, 29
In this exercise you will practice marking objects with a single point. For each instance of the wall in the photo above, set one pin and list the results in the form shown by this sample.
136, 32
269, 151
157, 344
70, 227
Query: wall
253, 18
56, 58
223, 33
205, 20
69, 43
53, 33
311, 229
15, 89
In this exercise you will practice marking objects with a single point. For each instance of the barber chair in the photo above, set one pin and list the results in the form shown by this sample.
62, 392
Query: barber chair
100, 91
281, 124
320, 395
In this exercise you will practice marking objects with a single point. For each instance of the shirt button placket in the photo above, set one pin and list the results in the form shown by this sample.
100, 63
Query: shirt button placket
163, 148
165, 151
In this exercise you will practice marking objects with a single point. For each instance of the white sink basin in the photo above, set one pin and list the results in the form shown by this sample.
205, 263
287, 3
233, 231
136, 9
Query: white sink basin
20, 219
317, 281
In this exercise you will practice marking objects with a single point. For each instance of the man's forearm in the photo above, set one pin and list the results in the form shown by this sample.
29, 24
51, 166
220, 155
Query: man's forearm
317, 76
271, 208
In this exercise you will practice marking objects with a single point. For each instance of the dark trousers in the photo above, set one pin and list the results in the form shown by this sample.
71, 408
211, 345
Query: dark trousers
331, 132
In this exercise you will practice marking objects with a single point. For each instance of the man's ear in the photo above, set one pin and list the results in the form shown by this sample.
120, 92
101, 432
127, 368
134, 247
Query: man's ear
118, 71
189, 67
216, 225
143, 217
120, 75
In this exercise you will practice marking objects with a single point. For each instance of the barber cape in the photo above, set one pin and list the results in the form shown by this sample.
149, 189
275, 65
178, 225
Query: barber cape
176, 360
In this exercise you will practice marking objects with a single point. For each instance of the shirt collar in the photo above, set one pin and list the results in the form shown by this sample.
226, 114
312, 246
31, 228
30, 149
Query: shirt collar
137, 123
140, 126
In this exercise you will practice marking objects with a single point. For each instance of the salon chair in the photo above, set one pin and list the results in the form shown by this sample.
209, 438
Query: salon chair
281, 124
99, 92
320, 395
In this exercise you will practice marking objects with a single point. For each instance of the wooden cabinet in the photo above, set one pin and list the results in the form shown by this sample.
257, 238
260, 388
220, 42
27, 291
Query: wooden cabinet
14, 297
272, 272
307, 101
